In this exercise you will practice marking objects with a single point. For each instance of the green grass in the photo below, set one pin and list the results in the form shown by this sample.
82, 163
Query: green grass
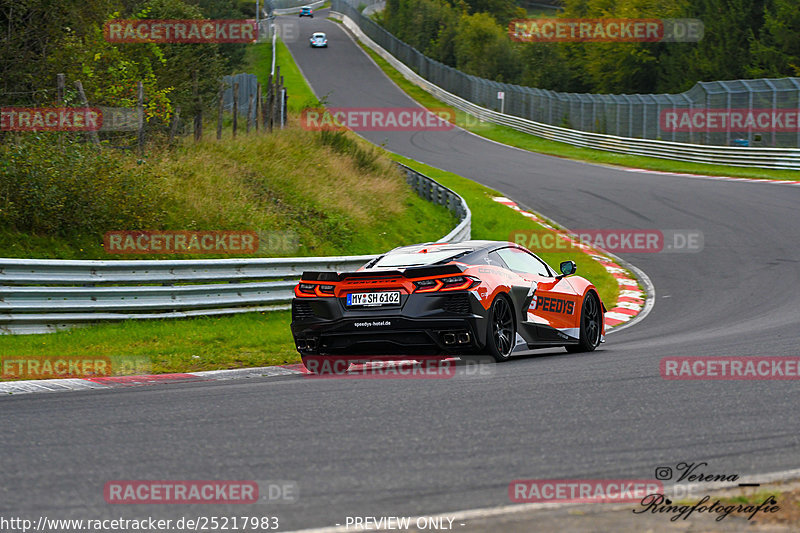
526, 141
331, 195
494, 221
259, 61
163, 346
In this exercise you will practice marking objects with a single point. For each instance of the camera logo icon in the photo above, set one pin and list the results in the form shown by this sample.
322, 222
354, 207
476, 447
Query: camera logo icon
663, 473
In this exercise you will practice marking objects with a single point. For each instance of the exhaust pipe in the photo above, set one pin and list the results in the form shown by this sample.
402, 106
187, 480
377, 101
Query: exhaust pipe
449, 338
463, 338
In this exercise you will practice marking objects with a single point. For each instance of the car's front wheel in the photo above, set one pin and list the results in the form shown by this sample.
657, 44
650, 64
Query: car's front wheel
591, 325
502, 329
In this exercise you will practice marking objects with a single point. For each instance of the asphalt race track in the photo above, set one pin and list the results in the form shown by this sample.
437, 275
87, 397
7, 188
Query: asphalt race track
412, 447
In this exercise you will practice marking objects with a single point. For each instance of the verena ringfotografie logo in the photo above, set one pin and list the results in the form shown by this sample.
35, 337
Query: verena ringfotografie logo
200, 492
730, 368
733, 120
605, 30
180, 31
582, 490
610, 240
377, 119
180, 242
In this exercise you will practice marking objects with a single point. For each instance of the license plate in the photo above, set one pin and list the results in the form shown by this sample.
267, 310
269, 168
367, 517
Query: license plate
374, 298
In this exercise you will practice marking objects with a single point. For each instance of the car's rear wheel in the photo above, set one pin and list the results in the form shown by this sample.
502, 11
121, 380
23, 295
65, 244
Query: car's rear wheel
591, 325
502, 329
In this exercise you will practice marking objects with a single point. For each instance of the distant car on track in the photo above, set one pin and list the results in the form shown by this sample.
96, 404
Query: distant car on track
319, 40
473, 297
306, 11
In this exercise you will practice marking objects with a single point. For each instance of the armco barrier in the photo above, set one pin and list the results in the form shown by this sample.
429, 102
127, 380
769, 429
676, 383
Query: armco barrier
776, 158
42, 295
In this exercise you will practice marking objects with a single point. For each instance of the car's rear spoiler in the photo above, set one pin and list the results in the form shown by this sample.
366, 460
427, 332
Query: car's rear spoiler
410, 272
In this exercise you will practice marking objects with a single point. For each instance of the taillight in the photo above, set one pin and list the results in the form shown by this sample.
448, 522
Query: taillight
457, 283
454, 283
315, 289
307, 288
427, 285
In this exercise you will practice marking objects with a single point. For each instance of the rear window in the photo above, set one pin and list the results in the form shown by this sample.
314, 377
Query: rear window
416, 259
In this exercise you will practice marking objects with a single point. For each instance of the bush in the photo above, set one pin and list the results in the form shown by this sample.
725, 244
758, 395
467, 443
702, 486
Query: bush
59, 186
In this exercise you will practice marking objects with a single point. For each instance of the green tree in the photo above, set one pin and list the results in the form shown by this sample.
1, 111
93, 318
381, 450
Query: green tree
777, 53
484, 49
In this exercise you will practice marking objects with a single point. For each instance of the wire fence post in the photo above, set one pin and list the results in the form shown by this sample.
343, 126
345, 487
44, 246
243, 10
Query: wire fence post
235, 107
198, 111
93, 133
140, 112
220, 95
258, 105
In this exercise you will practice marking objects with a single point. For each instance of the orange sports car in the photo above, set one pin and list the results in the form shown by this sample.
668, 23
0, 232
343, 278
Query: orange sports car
473, 297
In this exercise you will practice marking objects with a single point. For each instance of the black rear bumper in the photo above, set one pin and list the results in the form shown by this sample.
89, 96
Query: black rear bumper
423, 324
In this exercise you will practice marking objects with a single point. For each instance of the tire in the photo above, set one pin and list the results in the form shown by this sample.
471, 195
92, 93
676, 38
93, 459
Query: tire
501, 330
591, 325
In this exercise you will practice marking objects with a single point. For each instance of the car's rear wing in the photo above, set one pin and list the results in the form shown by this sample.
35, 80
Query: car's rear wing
409, 272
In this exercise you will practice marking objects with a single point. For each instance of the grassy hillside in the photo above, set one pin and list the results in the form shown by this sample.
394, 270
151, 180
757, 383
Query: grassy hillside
331, 193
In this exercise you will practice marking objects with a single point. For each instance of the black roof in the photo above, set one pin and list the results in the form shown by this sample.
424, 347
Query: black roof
474, 245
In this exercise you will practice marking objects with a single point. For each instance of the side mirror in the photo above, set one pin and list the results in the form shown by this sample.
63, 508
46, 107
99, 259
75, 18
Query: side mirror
568, 268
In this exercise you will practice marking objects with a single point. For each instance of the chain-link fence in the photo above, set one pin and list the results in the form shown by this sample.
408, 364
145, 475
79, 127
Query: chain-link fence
763, 112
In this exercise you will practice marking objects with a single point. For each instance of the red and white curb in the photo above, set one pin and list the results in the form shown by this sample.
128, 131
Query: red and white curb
630, 299
706, 177
112, 382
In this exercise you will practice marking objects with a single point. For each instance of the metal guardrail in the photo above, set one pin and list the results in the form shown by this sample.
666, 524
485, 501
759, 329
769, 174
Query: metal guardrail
43, 295
775, 158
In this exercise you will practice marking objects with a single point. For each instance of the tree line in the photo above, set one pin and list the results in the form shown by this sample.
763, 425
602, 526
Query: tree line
743, 39
40, 39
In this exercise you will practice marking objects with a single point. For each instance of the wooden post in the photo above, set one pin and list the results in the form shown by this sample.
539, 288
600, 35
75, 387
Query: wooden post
60, 90
282, 93
258, 104
219, 109
198, 109
249, 112
235, 106
92, 134
175, 118
276, 94
60, 100
268, 106
140, 108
